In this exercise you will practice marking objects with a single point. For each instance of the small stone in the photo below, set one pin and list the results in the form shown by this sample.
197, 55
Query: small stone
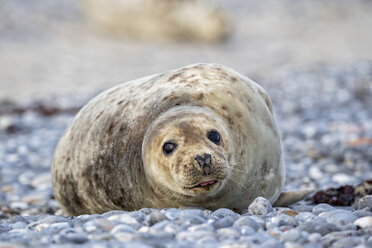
19, 225
160, 225
155, 217
171, 228
307, 216
36, 198
260, 206
347, 242
113, 212
343, 179
201, 227
122, 228
369, 242
247, 221
364, 222
145, 210
126, 219
138, 215
316, 227
4, 228
259, 219
172, 213
271, 243
60, 225
8, 210
339, 217
314, 238
105, 224
228, 232
330, 238
41, 226
288, 212
19, 205
18, 218
223, 212
209, 240
191, 220
225, 222
322, 207
147, 229
292, 235
315, 172
42, 180
191, 212
193, 236
302, 208
282, 220
364, 202
50, 219
124, 236
77, 238
99, 237
247, 230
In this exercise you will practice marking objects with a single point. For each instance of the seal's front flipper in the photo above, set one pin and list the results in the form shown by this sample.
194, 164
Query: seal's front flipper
287, 198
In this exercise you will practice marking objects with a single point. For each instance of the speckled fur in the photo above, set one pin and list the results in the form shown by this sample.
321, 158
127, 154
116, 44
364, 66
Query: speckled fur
110, 157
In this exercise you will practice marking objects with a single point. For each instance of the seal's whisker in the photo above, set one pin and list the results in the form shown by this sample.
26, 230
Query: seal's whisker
237, 170
231, 177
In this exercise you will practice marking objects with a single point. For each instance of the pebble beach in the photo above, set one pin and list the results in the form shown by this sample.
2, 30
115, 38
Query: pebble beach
323, 108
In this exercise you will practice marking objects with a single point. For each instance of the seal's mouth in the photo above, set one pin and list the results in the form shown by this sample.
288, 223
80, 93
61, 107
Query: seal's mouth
205, 185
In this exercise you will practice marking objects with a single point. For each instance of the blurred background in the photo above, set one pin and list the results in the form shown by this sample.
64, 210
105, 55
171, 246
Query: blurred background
52, 47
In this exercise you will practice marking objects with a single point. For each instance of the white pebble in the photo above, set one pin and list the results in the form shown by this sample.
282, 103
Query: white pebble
364, 222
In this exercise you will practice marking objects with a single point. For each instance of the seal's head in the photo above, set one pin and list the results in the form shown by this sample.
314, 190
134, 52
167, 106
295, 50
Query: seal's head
187, 152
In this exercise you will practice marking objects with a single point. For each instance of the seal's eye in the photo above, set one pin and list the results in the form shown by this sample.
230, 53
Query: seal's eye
168, 148
214, 136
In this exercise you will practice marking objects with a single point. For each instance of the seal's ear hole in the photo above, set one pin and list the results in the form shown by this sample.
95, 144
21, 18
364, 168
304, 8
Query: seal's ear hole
214, 136
169, 147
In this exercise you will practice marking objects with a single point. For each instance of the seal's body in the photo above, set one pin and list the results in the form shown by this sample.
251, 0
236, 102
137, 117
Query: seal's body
202, 135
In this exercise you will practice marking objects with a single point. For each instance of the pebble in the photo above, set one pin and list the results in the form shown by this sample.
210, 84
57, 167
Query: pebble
364, 222
223, 213
192, 236
124, 236
316, 227
323, 207
247, 221
260, 206
19, 205
347, 242
332, 238
122, 228
155, 217
292, 235
339, 217
314, 237
76, 238
225, 222
343, 178
126, 219
282, 220
365, 202
172, 214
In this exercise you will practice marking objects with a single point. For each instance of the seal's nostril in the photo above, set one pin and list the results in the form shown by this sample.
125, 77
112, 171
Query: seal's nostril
200, 160
205, 163
207, 159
